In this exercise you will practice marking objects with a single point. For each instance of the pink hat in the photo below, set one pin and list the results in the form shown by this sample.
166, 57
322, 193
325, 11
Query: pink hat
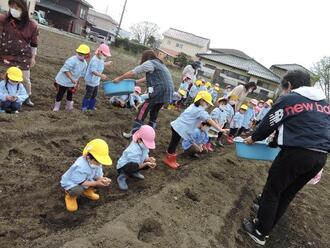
187, 76
137, 89
104, 49
147, 134
254, 101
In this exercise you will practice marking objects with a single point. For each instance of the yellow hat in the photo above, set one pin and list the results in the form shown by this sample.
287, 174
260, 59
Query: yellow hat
233, 97
205, 95
100, 151
270, 102
245, 107
199, 82
217, 89
208, 84
83, 49
15, 74
182, 92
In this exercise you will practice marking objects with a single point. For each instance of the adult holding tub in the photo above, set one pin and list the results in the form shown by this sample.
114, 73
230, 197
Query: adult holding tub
160, 88
19, 41
302, 118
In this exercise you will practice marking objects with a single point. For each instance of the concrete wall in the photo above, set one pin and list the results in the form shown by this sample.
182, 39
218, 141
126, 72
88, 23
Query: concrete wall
233, 81
180, 46
31, 4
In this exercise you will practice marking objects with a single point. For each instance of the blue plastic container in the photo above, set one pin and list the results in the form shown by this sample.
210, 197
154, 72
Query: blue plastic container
123, 87
258, 151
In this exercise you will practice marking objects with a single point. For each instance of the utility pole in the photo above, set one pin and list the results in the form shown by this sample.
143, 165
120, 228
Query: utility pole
121, 19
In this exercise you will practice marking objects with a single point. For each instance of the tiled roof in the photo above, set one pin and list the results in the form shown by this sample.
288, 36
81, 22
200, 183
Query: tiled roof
290, 67
235, 52
169, 52
92, 12
86, 3
251, 66
187, 37
55, 7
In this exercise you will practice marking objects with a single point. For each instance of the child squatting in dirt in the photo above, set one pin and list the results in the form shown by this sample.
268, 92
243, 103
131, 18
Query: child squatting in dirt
86, 173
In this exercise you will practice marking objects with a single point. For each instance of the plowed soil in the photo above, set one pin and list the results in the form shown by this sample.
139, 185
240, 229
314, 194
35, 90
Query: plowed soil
200, 205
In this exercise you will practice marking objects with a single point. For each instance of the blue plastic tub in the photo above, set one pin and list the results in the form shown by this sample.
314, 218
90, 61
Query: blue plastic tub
258, 151
123, 87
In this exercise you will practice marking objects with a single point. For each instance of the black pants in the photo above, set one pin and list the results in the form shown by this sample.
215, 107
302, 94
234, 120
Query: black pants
175, 140
233, 131
153, 110
290, 171
129, 168
61, 91
91, 92
241, 130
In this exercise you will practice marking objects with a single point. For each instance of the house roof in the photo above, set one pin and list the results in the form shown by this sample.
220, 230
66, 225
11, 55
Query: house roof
235, 52
92, 12
187, 37
85, 3
55, 7
290, 67
169, 52
250, 66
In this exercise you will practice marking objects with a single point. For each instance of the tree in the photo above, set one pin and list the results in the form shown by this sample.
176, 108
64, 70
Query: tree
322, 71
145, 32
182, 60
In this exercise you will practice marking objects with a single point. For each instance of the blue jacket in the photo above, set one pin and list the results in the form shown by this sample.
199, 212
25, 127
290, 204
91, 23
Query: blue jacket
237, 120
10, 89
198, 137
302, 119
248, 117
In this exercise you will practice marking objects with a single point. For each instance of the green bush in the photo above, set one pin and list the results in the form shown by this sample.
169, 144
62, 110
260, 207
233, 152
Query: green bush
128, 45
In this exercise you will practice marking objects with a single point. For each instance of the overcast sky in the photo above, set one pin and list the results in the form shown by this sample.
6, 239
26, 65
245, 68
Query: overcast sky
272, 32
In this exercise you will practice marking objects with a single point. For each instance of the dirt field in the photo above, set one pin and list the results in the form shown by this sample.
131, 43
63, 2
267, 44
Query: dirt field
201, 205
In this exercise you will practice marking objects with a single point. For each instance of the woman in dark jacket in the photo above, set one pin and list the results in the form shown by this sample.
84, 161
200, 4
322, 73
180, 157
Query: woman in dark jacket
19, 40
160, 88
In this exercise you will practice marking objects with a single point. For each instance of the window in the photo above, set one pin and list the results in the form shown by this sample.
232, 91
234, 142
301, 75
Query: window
179, 45
263, 93
236, 75
83, 13
210, 66
168, 42
265, 85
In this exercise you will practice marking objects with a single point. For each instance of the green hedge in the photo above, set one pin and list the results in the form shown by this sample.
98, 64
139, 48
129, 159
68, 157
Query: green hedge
130, 46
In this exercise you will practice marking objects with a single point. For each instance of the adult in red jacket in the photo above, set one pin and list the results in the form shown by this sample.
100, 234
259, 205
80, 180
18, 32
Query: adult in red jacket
302, 120
19, 40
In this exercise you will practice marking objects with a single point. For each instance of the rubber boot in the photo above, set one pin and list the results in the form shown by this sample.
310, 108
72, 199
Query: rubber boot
28, 102
209, 147
85, 104
230, 139
69, 105
71, 202
57, 106
127, 135
121, 180
90, 194
170, 161
91, 105
137, 175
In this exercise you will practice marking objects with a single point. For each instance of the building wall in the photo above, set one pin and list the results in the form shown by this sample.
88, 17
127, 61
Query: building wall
180, 46
279, 72
101, 23
267, 90
57, 20
31, 4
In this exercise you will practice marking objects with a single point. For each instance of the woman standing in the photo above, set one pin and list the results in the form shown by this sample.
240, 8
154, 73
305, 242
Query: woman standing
160, 88
19, 41
241, 91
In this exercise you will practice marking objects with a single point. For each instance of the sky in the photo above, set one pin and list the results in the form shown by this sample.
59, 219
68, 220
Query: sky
272, 32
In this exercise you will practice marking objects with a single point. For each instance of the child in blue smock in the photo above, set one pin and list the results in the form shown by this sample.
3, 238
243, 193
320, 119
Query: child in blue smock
93, 76
264, 110
136, 156
236, 123
195, 144
184, 126
249, 117
219, 115
67, 79
86, 173
12, 91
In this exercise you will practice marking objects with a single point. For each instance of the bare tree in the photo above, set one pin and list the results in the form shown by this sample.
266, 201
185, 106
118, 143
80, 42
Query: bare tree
322, 70
144, 32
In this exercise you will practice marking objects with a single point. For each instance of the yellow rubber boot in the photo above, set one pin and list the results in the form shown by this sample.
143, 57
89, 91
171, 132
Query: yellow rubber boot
90, 194
71, 202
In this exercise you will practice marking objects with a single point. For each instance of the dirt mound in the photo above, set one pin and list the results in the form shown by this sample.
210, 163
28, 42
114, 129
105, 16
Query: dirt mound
201, 205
